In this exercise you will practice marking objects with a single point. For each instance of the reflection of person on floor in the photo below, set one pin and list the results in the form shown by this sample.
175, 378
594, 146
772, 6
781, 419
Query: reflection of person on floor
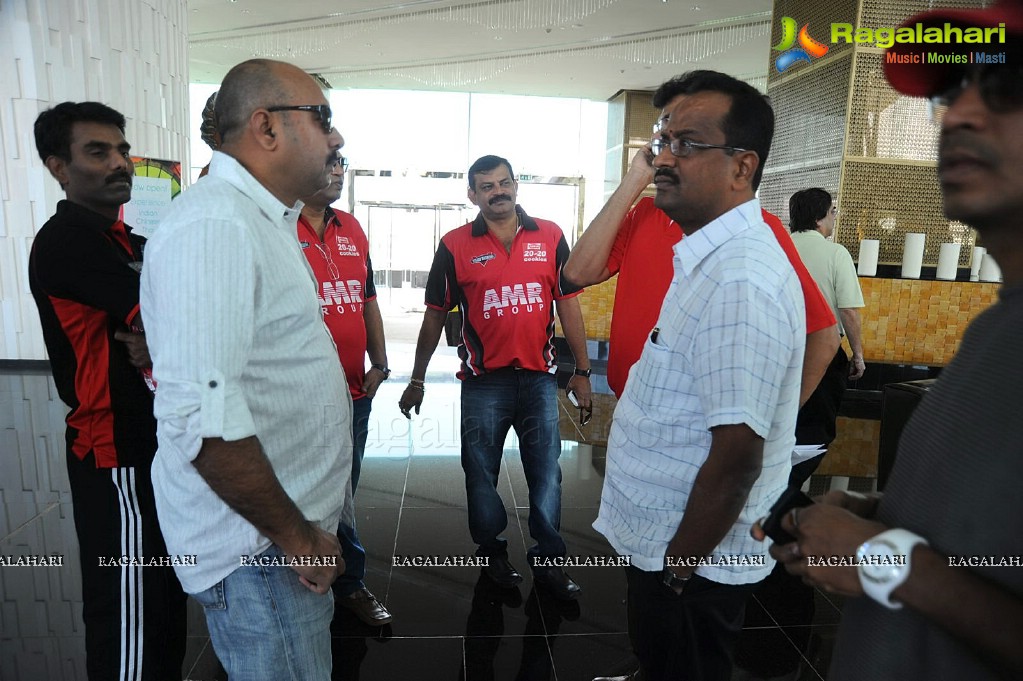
338, 252
253, 411
927, 595
485, 632
84, 276
503, 270
689, 462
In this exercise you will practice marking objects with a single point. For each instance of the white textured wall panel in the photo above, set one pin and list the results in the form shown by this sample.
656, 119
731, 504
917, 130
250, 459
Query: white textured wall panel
128, 54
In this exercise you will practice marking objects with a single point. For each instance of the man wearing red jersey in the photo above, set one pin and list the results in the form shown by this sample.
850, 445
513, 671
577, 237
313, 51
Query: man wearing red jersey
336, 247
636, 243
503, 270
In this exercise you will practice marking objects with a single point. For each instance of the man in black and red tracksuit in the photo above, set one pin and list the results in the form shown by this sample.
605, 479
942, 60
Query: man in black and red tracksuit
84, 275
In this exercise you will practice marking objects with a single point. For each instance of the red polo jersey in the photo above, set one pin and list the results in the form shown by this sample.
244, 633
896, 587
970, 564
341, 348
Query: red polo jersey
506, 297
642, 257
344, 282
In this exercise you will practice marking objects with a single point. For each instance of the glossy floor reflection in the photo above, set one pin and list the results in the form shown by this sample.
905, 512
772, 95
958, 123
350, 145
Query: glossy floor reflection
450, 623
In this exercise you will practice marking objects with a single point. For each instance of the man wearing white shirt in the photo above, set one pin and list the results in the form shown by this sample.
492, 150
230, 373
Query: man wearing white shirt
254, 418
702, 437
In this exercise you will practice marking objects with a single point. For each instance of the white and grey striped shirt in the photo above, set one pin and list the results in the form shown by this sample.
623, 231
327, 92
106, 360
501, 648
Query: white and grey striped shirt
239, 348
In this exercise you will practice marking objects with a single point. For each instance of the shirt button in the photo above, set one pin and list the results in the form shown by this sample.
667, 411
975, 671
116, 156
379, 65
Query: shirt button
213, 384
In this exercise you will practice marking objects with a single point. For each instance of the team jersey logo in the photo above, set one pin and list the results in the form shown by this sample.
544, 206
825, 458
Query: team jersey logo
534, 252
338, 292
483, 259
513, 299
304, 244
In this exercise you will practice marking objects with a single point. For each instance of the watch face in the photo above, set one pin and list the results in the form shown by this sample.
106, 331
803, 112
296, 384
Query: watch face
879, 563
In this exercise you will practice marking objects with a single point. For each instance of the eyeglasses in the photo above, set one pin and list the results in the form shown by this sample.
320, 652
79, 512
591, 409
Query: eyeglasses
343, 162
324, 250
683, 148
322, 111
998, 83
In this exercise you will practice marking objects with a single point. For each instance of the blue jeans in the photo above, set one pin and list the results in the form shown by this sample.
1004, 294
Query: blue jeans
491, 404
351, 547
265, 625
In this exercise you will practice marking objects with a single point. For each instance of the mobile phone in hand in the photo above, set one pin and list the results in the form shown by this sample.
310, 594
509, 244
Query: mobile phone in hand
791, 498
572, 398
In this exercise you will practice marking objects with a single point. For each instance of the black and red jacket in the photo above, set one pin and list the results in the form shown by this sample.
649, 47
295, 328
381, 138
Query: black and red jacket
84, 274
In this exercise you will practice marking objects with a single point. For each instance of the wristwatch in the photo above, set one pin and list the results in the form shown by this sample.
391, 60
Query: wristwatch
585, 373
382, 369
673, 581
883, 564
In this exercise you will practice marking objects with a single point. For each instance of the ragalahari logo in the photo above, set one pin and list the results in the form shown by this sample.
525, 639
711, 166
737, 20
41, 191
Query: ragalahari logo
808, 50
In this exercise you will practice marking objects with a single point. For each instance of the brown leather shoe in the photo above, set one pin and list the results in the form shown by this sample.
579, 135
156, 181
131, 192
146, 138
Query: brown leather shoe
366, 607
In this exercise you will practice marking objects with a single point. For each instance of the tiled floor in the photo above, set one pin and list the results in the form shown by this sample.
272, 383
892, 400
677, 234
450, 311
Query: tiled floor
449, 623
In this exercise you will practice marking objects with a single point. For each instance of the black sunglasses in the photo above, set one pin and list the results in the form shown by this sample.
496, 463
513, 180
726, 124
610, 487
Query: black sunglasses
999, 86
322, 111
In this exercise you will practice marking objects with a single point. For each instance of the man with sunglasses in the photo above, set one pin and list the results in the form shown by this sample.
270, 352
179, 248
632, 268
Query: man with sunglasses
935, 589
337, 249
702, 437
253, 416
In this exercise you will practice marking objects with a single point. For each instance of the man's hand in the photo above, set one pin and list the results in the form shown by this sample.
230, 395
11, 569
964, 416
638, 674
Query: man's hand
583, 391
824, 532
138, 350
371, 382
642, 166
412, 397
318, 578
856, 367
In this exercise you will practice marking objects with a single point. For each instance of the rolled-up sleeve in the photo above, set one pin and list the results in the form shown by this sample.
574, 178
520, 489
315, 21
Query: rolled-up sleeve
198, 302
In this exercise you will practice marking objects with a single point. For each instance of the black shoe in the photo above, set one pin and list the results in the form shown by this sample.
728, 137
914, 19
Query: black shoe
556, 581
502, 572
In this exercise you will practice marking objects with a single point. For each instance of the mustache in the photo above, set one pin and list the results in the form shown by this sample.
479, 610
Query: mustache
119, 177
666, 172
964, 142
499, 197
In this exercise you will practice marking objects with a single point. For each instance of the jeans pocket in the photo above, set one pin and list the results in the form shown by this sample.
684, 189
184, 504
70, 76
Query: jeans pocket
212, 598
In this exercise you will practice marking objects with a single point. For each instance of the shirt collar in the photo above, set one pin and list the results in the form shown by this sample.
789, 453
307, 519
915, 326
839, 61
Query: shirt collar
228, 168
82, 216
479, 225
694, 248
808, 233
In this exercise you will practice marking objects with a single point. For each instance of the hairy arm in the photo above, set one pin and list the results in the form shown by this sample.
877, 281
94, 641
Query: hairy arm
429, 335
571, 316
587, 264
239, 472
375, 346
821, 347
959, 601
719, 492
853, 331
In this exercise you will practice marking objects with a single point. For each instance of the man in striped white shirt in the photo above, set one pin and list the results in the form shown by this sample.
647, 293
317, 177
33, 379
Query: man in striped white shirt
253, 411
701, 441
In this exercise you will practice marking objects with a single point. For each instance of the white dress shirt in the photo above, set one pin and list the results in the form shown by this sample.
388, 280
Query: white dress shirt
239, 348
728, 350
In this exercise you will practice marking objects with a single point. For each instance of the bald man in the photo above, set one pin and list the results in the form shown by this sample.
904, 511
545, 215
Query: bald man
253, 416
